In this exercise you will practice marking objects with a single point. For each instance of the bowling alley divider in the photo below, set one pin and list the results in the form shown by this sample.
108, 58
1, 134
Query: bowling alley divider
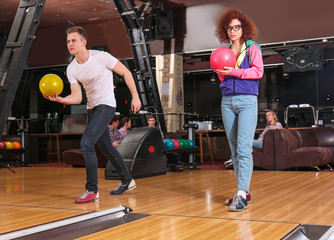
143, 152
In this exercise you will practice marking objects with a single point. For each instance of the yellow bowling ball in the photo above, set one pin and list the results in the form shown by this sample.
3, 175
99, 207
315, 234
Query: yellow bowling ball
9, 145
50, 84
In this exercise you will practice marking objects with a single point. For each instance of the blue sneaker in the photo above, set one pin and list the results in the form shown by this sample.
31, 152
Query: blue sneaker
123, 187
248, 198
238, 204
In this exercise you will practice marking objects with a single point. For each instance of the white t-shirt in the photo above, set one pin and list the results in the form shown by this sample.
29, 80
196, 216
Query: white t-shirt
96, 77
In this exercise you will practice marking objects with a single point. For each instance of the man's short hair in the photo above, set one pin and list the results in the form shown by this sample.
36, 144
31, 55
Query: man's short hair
115, 119
79, 30
151, 116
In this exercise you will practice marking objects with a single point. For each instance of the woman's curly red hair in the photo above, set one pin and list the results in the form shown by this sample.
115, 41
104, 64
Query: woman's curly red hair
249, 30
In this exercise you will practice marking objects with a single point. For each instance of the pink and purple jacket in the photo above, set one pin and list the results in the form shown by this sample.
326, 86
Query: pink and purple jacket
244, 81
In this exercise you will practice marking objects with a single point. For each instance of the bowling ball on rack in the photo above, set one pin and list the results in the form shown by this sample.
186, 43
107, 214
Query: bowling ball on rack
17, 145
186, 143
2, 145
191, 143
50, 84
168, 144
181, 142
222, 57
9, 145
176, 144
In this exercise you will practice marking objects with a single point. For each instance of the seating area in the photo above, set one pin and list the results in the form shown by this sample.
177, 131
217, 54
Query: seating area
177, 159
283, 149
142, 150
75, 158
293, 148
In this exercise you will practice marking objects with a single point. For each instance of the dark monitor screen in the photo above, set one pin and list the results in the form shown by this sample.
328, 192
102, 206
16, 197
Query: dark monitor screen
300, 60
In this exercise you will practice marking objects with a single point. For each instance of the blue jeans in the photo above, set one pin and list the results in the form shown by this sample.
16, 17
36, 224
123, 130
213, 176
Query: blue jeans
239, 114
257, 144
97, 131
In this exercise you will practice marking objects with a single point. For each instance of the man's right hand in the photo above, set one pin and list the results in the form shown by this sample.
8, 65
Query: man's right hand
135, 105
54, 98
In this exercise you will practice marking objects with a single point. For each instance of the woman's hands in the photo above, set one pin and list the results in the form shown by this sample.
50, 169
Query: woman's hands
226, 71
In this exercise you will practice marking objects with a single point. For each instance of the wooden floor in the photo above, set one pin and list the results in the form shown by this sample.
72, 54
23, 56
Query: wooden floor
185, 205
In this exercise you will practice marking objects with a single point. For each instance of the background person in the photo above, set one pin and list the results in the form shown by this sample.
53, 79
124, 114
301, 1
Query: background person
272, 123
151, 121
115, 135
240, 88
125, 127
94, 70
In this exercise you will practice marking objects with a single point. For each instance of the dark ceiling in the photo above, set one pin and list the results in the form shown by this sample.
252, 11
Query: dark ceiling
78, 11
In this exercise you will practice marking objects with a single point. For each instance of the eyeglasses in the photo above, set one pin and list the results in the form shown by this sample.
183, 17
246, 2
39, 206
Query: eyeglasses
235, 28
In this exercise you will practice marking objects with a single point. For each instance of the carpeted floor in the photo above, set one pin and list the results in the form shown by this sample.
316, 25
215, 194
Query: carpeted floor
219, 165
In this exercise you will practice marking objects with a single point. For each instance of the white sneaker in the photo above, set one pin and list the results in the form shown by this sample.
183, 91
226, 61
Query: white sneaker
123, 187
228, 162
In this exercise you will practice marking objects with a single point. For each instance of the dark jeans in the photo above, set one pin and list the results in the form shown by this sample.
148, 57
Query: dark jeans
97, 131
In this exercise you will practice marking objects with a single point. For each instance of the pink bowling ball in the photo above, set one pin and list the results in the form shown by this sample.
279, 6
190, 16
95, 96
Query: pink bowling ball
222, 57
176, 144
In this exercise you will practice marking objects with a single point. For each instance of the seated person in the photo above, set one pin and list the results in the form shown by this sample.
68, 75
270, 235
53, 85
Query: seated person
272, 123
114, 133
125, 127
151, 122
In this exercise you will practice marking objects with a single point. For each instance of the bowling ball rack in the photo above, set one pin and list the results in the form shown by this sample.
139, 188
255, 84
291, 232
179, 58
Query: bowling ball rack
178, 159
10, 152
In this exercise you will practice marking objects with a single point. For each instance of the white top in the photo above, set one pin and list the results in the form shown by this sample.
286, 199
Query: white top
96, 77
277, 125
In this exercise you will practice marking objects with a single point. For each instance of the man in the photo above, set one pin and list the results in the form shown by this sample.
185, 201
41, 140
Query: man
151, 121
93, 69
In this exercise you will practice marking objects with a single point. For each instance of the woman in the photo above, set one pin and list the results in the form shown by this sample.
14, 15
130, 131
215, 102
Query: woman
240, 88
272, 123
126, 126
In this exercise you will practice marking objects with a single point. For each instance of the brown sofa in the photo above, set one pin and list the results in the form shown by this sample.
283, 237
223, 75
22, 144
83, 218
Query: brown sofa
293, 148
75, 158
